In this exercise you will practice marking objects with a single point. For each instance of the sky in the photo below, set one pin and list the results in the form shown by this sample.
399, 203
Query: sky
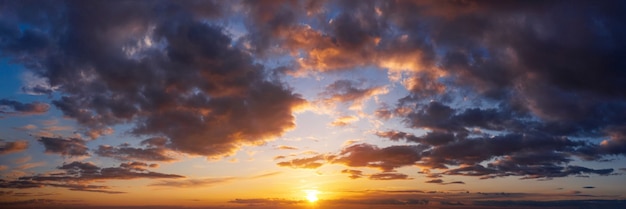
312, 104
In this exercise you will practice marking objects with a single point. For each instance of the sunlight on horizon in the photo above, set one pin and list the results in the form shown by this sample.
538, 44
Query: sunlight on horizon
311, 195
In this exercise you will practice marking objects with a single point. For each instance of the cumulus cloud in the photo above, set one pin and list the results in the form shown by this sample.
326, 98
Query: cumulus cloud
65, 146
12, 147
152, 72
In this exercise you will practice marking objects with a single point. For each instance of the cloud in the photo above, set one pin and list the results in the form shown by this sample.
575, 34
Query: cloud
12, 147
344, 121
155, 151
152, 72
14, 107
389, 176
285, 147
385, 159
307, 162
434, 181
85, 172
65, 146
354, 174
77, 176
440, 181
589, 187
349, 92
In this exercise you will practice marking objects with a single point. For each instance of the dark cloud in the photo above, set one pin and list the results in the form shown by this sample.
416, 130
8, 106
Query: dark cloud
85, 172
14, 107
65, 146
155, 151
354, 174
440, 181
589, 187
12, 147
77, 176
177, 77
434, 181
389, 176
386, 159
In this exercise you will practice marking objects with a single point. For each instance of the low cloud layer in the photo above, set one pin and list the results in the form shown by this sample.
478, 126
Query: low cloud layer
78, 176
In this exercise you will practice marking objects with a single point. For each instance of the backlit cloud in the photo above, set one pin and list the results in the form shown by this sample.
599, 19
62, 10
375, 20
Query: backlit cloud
65, 146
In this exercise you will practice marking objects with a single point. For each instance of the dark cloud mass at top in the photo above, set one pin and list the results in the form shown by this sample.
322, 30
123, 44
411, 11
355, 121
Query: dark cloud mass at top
155, 65
502, 88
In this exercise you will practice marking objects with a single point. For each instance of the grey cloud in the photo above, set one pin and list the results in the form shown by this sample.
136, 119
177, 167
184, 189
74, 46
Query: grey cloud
389, 176
15, 107
155, 151
188, 77
65, 146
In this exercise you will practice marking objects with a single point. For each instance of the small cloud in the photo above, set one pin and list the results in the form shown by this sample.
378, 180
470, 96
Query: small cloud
434, 181
440, 181
589, 187
12, 147
354, 174
308, 162
18, 108
344, 121
285, 147
389, 176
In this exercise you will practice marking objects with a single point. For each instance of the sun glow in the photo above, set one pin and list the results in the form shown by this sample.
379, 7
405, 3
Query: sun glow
311, 195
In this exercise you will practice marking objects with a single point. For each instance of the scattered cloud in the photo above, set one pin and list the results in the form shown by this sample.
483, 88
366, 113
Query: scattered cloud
12, 107
389, 176
65, 146
155, 150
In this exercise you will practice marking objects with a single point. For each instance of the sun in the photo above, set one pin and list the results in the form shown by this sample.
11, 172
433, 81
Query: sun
311, 195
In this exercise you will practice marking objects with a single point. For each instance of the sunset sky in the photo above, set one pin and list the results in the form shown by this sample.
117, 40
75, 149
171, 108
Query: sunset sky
312, 104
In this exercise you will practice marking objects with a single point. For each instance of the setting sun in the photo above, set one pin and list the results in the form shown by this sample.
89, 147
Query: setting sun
311, 195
